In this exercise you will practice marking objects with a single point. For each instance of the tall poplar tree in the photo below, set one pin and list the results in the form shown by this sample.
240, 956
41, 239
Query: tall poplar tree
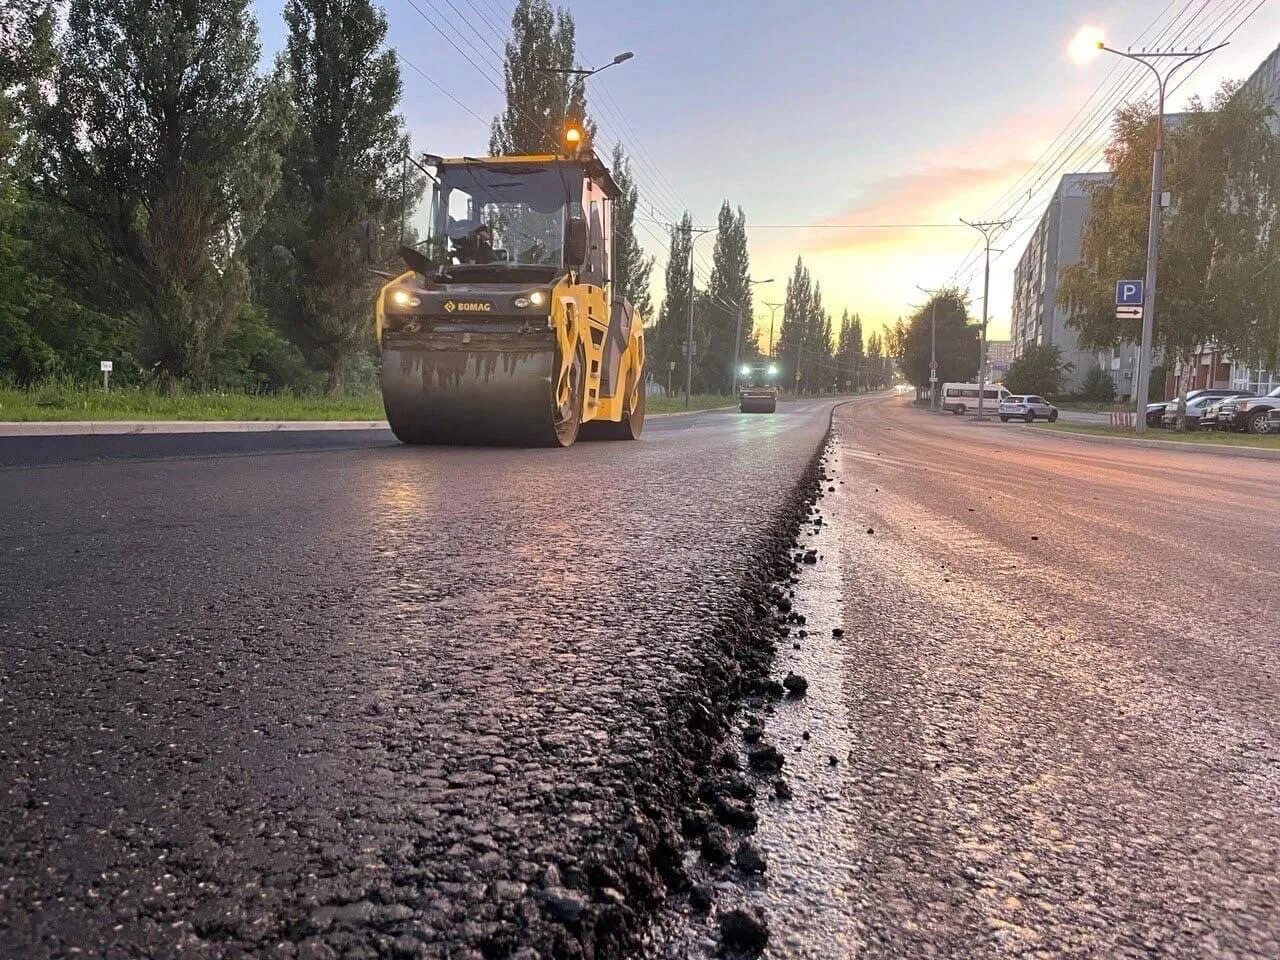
632, 267
664, 345
538, 100
728, 292
161, 140
342, 166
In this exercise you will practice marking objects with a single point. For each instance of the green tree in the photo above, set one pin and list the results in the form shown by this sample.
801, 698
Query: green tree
161, 140
664, 345
1218, 239
818, 366
538, 101
957, 341
728, 293
794, 329
845, 371
632, 267
342, 166
1040, 370
877, 364
1098, 386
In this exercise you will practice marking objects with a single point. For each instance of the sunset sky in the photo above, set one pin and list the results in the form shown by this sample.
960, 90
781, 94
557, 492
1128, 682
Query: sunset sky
827, 114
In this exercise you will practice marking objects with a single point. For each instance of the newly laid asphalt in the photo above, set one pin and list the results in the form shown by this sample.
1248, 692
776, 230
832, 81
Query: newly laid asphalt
315, 696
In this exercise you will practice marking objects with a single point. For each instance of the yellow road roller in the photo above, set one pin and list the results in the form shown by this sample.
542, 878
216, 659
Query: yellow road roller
506, 329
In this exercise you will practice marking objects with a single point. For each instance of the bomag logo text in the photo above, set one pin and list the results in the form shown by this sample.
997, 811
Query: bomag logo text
465, 306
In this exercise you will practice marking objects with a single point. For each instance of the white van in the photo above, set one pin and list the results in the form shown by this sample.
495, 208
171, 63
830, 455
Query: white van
960, 398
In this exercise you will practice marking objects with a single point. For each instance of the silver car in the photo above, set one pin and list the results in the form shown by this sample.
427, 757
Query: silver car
1027, 407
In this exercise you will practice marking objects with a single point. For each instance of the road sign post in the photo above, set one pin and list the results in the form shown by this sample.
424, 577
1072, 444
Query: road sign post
106, 366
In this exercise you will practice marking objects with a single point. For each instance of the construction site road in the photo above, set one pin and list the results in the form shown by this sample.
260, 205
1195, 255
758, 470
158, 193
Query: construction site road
287, 696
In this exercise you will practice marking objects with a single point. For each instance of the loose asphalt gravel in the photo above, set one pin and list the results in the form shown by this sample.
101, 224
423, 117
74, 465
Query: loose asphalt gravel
361, 700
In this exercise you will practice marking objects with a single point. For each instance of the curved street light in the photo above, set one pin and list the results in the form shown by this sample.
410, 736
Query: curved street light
1141, 383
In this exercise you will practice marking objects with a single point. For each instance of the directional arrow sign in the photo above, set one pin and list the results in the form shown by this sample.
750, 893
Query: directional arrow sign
1128, 313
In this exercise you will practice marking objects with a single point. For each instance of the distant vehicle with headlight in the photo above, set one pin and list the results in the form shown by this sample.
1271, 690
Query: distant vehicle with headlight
758, 387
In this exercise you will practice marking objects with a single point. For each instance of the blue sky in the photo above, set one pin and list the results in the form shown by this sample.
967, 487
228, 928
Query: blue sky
872, 112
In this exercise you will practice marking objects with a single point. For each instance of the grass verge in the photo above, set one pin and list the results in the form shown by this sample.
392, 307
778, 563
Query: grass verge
698, 401
59, 402
53, 402
1206, 437
1085, 406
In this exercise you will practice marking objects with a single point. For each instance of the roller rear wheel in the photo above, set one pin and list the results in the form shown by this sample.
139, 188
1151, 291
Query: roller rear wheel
569, 394
629, 427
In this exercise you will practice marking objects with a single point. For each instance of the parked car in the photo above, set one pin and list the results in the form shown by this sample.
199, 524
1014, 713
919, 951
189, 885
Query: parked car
960, 398
1197, 411
1026, 407
1156, 411
1251, 414
1209, 416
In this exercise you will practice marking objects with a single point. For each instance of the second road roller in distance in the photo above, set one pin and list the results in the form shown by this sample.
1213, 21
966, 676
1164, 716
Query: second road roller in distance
506, 327
758, 387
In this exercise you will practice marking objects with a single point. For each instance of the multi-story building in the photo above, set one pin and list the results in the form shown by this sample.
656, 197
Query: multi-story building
1265, 81
1038, 319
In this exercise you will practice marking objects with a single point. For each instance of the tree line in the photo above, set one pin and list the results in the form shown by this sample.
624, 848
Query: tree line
167, 205
812, 356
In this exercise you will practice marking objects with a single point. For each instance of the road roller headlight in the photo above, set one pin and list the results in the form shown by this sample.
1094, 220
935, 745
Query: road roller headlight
403, 298
535, 299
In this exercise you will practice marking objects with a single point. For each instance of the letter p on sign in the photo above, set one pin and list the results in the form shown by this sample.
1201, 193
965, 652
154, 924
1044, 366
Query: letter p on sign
1129, 293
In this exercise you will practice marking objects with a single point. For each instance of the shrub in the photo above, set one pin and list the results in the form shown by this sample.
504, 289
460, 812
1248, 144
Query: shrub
1098, 386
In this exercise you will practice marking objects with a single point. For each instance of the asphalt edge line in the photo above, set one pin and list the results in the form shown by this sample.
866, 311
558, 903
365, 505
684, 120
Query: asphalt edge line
1213, 449
734, 663
667, 800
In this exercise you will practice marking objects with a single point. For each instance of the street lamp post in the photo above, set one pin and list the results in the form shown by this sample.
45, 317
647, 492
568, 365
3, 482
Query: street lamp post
987, 229
1142, 379
582, 72
737, 335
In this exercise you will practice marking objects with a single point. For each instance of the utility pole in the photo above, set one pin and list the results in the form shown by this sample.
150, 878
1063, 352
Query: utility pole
987, 229
688, 340
933, 348
737, 345
1141, 383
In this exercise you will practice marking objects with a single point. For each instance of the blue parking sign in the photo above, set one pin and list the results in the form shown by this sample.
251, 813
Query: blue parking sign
1129, 293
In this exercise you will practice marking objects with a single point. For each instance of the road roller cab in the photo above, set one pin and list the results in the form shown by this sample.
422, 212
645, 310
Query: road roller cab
506, 328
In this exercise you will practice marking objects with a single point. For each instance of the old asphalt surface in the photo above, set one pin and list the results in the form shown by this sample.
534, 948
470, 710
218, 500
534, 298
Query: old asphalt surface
334, 697
1058, 693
